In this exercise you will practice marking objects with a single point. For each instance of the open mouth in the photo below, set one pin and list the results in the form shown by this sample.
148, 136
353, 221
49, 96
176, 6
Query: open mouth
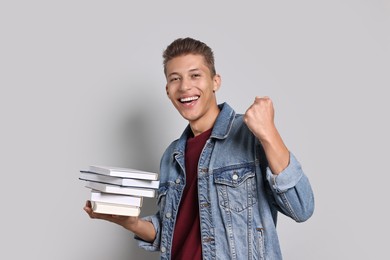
188, 99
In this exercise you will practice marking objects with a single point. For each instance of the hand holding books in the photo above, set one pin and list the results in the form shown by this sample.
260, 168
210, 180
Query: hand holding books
117, 191
123, 220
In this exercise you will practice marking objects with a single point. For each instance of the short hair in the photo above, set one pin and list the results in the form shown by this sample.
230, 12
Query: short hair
184, 46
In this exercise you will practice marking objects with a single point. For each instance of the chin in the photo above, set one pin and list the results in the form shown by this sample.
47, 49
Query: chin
188, 117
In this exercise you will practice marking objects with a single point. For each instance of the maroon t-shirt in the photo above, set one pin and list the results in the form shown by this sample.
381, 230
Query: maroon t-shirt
186, 238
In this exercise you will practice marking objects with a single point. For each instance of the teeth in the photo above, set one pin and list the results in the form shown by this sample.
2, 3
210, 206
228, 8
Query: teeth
188, 99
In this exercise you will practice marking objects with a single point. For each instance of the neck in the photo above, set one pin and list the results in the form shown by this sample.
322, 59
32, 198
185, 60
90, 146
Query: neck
204, 124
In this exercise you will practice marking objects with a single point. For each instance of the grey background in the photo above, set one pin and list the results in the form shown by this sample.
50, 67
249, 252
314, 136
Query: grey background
82, 83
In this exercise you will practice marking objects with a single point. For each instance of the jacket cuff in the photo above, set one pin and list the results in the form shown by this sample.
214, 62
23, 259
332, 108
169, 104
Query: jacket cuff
155, 245
288, 178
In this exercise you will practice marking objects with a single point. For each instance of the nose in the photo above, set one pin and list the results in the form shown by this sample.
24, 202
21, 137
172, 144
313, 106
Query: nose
185, 84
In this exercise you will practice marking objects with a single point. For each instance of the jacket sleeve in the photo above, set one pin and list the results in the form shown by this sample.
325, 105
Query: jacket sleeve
292, 191
155, 245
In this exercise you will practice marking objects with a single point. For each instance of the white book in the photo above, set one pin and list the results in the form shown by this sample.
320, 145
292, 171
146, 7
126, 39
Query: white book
133, 191
115, 209
123, 172
91, 176
99, 196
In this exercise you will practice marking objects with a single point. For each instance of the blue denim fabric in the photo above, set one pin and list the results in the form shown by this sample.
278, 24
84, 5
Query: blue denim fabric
239, 197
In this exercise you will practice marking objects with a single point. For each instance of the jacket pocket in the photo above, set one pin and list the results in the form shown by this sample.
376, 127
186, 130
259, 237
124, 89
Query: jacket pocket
236, 186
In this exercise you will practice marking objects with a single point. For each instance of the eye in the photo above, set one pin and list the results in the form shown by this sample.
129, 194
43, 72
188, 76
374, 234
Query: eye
173, 79
197, 75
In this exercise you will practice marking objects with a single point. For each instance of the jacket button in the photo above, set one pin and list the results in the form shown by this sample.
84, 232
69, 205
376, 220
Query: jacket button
163, 249
168, 214
177, 181
235, 176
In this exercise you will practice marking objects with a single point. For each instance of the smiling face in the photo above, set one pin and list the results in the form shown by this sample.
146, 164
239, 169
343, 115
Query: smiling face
191, 89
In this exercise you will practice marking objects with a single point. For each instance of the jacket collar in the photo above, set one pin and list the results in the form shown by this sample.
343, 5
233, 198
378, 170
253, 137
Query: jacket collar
221, 128
224, 122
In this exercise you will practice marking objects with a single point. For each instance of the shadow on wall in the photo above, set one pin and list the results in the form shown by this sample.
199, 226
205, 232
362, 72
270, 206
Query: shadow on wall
141, 130
138, 135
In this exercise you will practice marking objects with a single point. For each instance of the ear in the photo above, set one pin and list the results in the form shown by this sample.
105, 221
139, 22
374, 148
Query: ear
166, 89
217, 82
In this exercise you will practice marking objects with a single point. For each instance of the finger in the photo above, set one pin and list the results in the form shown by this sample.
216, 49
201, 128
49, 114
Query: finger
87, 206
89, 212
262, 98
95, 215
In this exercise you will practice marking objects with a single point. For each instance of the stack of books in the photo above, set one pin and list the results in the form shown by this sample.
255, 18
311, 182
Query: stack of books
119, 191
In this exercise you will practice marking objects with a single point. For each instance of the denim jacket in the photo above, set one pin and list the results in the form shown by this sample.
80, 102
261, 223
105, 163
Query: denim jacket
239, 197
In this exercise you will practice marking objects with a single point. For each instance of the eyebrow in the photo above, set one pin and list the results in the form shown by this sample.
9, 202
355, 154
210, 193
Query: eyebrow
173, 73
191, 70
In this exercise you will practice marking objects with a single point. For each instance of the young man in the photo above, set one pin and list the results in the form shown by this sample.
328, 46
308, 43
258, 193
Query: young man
224, 180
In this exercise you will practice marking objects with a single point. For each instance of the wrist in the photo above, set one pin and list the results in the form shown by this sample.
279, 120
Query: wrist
131, 224
268, 137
